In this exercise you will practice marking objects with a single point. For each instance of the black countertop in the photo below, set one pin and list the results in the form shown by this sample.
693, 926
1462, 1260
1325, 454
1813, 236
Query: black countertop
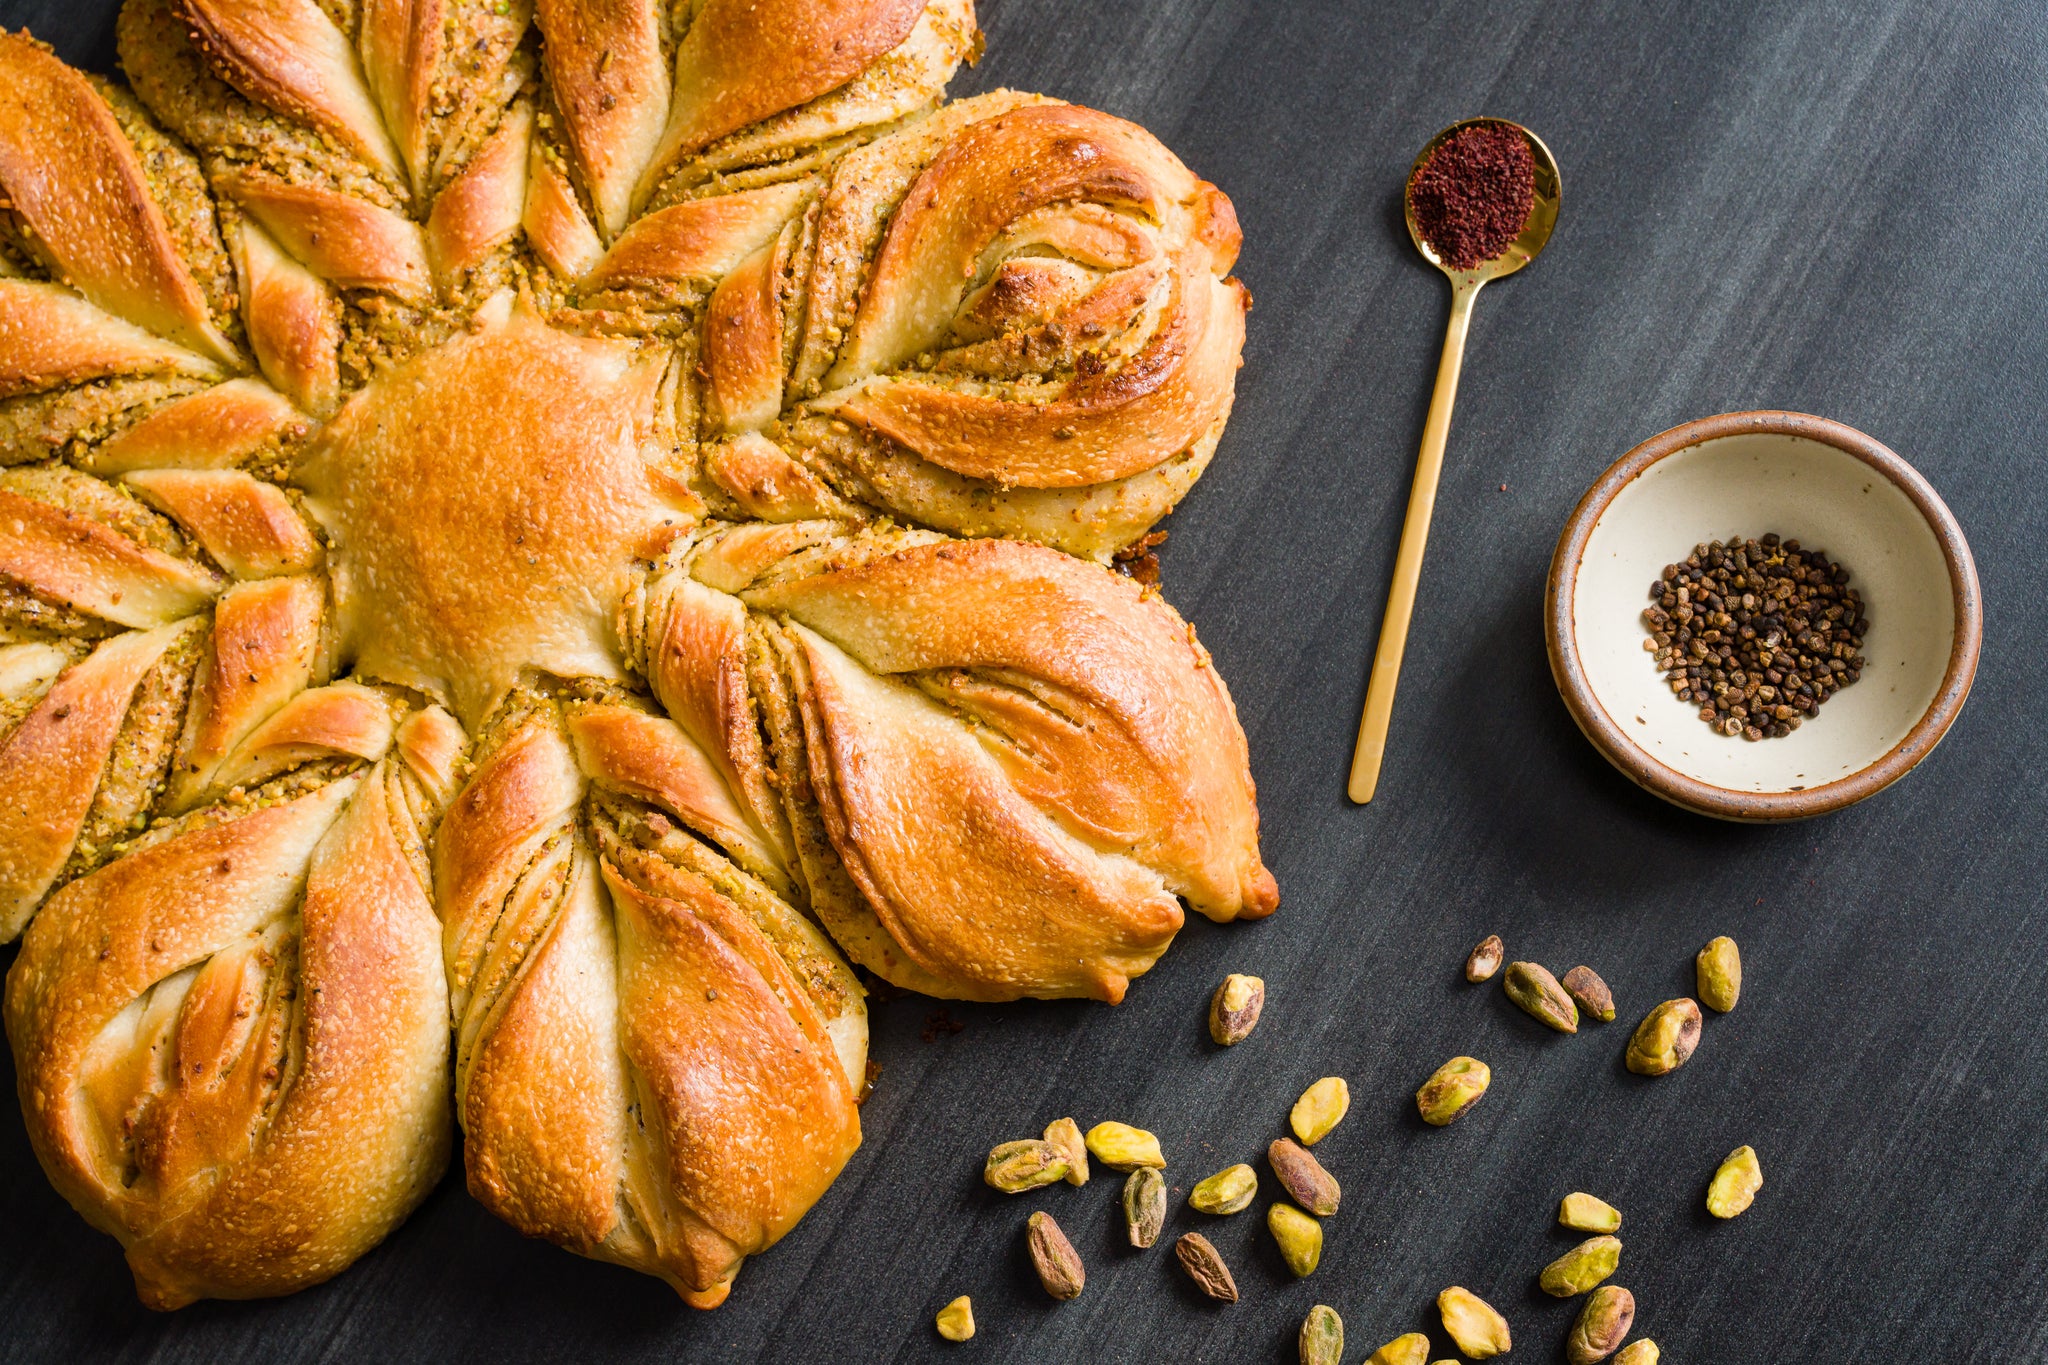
1830, 207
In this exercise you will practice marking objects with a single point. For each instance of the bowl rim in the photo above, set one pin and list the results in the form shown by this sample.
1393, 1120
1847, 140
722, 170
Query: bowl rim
1653, 775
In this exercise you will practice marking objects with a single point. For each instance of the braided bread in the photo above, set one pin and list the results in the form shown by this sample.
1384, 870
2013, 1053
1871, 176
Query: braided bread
530, 535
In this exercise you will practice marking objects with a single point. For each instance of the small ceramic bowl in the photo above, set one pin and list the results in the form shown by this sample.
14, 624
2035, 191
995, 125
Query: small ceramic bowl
1808, 479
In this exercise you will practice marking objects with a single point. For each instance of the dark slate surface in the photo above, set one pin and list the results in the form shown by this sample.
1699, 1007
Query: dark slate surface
1823, 206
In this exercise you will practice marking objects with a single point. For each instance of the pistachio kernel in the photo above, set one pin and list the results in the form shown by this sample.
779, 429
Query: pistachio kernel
1230, 1190
1665, 1038
1642, 1352
1321, 1107
1453, 1089
1054, 1258
1124, 1148
1531, 986
1204, 1264
1145, 1205
1322, 1337
1234, 1009
1719, 968
1590, 993
1014, 1167
1410, 1349
1303, 1177
1299, 1237
1065, 1137
1471, 1321
1584, 1213
1483, 963
1603, 1324
956, 1320
1579, 1269
1735, 1184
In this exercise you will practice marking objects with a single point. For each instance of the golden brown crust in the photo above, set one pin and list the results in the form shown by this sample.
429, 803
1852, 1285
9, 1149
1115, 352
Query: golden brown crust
481, 208
246, 526
609, 76
77, 561
293, 319
336, 236
265, 650
217, 428
50, 338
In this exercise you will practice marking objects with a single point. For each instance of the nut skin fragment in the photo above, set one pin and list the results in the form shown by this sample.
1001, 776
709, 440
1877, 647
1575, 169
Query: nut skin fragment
1665, 1038
1228, 1191
1735, 1184
1065, 1136
1584, 1213
1321, 1107
1482, 964
1054, 1258
956, 1320
1603, 1324
1586, 988
1304, 1178
1455, 1087
1234, 1009
1204, 1265
1719, 968
1299, 1236
1124, 1148
1481, 1333
1322, 1337
1579, 1269
1642, 1352
1144, 1205
1027, 1164
1531, 986
1410, 1349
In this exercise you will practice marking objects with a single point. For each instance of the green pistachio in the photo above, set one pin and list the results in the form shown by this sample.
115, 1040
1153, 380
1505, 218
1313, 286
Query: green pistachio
1322, 1337
1144, 1205
1665, 1038
1642, 1352
1471, 1321
1533, 988
1412, 1349
1124, 1148
1720, 974
1321, 1107
1230, 1190
1584, 1213
1603, 1325
1300, 1237
1585, 987
1014, 1167
956, 1320
1579, 1269
1455, 1087
1735, 1185
1234, 1009
1065, 1137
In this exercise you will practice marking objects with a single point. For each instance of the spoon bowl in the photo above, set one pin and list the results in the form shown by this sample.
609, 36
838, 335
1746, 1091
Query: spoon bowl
1535, 233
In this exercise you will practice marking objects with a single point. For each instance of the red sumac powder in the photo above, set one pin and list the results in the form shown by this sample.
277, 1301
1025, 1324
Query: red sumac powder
1473, 195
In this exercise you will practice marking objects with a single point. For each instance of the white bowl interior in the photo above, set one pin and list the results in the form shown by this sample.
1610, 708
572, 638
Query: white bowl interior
1804, 490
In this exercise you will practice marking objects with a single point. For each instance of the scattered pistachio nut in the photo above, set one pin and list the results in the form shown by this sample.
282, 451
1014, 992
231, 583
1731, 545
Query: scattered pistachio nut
1665, 1038
1054, 1258
1299, 1237
956, 1320
1322, 1337
1230, 1190
1584, 1213
1735, 1184
1303, 1177
1065, 1136
1586, 988
1204, 1264
1531, 986
1485, 960
1410, 1349
1579, 1269
1603, 1324
1642, 1352
1453, 1089
1321, 1107
1234, 1009
1124, 1148
1480, 1332
1145, 1205
1014, 1167
1719, 967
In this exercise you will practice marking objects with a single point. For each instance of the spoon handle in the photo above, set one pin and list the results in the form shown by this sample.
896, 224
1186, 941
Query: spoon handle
1386, 662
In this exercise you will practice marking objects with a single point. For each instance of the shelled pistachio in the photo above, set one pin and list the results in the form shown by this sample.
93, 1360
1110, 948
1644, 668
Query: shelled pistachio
1602, 1326
1590, 993
1735, 1184
1322, 1337
1235, 1007
1579, 1269
1054, 1258
1584, 1213
1228, 1191
1409, 1349
1321, 1107
1531, 986
1452, 1090
1065, 1137
1124, 1148
1665, 1040
1303, 1177
1204, 1265
956, 1320
1719, 969
1027, 1164
1299, 1237
1472, 1322
1144, 1205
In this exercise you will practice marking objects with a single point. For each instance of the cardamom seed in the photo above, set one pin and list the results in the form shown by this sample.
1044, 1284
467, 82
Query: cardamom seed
1321, 1107
1481, 965
956, 1320
1642, 1352
1303, 1177
1579, 1269
1454, 1088
1603, 1323
1411, 1349
1234, 1008
1584, 1213
1299, 1236
1014, 1167
1124, 1148
1145, 1205
1585, 987
1735, 1184
1230, 1190
1719, 967
1204, 1265
1480, 1332
1065, 1137
1054, 1258
1665, 1038
1531, 986
1322, 1337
